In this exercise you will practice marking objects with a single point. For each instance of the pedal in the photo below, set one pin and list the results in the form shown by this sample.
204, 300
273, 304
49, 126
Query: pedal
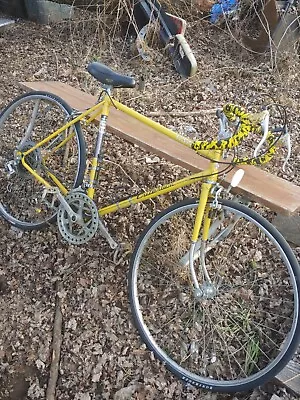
49, 203
121, 252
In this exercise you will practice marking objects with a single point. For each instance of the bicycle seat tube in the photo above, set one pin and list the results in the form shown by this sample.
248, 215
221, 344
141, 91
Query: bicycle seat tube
96, 160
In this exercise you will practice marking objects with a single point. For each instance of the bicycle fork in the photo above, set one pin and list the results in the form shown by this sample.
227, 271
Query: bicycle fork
197, 248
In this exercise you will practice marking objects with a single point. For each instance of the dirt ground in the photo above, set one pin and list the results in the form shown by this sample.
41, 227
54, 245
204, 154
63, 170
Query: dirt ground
102, 355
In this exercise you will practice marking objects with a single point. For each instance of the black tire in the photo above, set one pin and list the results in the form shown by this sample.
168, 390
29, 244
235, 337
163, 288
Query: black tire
239, 336
20, 194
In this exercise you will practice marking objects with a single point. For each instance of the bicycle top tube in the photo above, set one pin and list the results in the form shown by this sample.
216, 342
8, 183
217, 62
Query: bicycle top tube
246, 122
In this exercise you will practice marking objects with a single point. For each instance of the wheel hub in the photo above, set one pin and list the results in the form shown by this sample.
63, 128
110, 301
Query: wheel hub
206, 291
33, 159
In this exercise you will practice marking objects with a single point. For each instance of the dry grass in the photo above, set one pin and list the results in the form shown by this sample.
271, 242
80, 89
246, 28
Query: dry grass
112, 21
111, 27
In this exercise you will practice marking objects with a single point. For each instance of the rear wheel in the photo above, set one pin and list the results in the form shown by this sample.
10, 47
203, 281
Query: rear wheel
23, 123
244, 327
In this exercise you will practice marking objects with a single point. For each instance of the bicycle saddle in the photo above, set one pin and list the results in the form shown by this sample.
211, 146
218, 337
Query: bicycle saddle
108, 77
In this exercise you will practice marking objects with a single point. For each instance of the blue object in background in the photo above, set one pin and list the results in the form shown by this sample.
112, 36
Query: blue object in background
220, 8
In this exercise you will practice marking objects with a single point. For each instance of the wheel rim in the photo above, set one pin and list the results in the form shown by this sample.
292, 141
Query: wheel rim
25, 122
240, 320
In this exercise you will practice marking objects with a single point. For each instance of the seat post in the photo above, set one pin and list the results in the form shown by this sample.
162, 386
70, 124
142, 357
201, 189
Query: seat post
103, 119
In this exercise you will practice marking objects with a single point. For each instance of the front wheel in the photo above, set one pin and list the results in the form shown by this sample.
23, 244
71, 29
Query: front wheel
245, 327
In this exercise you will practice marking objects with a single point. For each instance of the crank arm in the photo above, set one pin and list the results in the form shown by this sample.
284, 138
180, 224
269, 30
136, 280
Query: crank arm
104, 232
55, 191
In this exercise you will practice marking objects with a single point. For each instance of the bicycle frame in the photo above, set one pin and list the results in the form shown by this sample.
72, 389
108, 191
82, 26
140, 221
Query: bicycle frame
102, 109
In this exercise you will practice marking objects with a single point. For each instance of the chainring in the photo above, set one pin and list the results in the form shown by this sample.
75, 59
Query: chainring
84, 229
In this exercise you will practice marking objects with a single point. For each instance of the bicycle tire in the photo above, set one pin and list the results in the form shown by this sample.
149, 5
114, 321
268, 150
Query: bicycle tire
27, 120
243, 335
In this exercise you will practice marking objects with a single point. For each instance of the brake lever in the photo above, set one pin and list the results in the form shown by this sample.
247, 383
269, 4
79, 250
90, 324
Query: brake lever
286, 142
265, 128
224, 131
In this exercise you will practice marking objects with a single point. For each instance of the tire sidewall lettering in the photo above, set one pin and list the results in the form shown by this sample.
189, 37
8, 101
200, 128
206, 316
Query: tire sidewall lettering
195, 383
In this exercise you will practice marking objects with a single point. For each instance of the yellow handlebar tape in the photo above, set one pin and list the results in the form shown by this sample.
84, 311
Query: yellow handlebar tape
233, 111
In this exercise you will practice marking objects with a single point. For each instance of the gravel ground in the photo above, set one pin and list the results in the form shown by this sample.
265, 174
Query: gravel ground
102, 356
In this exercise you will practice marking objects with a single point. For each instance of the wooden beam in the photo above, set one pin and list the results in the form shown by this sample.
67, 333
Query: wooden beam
258, 185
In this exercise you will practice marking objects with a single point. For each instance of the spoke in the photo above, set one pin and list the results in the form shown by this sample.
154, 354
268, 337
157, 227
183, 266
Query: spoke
244, 332
227, 351
31, 123
242, 346
163, 275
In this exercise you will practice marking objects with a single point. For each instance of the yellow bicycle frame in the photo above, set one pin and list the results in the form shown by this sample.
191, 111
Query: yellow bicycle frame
101, 109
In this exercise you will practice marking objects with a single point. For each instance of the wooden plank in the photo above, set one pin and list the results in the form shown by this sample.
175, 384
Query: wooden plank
290, 377
289, 227
258, 185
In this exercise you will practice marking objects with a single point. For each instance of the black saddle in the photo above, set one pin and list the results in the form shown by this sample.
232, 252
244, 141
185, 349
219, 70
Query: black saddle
108, 77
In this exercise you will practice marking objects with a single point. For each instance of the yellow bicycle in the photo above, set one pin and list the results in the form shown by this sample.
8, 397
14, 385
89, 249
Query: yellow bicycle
213, 286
